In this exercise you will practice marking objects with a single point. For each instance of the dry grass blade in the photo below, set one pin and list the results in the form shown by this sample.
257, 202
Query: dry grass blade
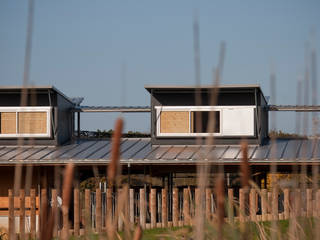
245, 166
115, 151
137, 233
219, 189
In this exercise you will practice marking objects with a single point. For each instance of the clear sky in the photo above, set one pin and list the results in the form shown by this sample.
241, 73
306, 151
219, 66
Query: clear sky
81, 47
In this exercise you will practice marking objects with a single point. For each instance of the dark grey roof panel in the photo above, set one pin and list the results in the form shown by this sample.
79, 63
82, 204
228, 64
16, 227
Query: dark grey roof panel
59, 151
91, 150
5, 150
101, 152
292, 150
173, 152
28, 153
158, 153
78, 149
251, 151
277, 149
202, 153
125, 145
129, 153
231, 153
261, 152
217, 152
42, 153
306, 149
12, 154
188, 152
142, 153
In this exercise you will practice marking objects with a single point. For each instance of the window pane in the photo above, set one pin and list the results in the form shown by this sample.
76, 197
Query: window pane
8, 123
174, 122
32, 122
202, 117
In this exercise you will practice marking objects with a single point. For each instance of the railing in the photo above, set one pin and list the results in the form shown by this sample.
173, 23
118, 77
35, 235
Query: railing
151, 208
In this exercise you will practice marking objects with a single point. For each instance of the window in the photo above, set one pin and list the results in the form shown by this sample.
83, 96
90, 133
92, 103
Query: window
25, 122
183, 120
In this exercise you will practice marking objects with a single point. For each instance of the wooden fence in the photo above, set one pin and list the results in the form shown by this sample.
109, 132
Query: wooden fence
155, 207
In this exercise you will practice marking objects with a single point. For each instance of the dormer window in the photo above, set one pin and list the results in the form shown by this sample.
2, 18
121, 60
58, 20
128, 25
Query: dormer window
25, 122
178, 121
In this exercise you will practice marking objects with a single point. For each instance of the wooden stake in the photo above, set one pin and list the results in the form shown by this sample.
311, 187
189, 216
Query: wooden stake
11, 220
175, 207
253, 208
186, 206
164, 209
76, 209
230, 205
208, 204
98, 211
22, 223
286, 203
131, 206
33, 213
264, 205
142, 209
153, 206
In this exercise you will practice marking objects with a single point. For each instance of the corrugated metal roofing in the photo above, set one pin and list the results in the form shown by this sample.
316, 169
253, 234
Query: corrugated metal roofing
140, 151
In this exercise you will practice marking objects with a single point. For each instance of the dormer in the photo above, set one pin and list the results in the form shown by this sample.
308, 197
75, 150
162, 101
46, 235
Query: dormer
240, 112
45, 117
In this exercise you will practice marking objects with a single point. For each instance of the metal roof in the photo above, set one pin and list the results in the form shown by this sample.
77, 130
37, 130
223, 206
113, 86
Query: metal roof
202, 86
296, 108
140, 151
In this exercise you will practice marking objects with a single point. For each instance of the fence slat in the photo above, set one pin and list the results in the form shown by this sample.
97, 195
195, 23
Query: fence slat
264, 204
175, 207
253, 207
131, 206
11, 221
142, 209
76, 211
164, 208
208, 204
43, 212
55, 212
87, 210
286, 203
186, 206
230, 205
22, 215
33, 213
242, 209
109, 208
275, 204
153, 206
309, 202
98, 211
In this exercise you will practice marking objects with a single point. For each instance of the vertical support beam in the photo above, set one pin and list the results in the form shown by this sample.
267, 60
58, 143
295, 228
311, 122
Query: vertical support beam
153, 206
78, 118
175, 207
98, 211
22, 222
208, 204
11, 220
264, 205
55, 212
87, 207
131, 206
142, 209
275, 207
253, 207
164, 208
76, 209
230, 205
186, 206
309, 202
286, 202
33, 213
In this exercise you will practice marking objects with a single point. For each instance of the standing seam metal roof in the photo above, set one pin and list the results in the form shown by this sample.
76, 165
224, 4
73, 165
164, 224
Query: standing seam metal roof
140, 151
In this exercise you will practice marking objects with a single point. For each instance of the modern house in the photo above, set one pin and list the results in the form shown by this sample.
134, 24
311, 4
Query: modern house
41, 133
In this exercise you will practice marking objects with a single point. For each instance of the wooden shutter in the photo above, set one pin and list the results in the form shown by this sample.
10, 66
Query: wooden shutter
174, 122
8, 123
32, 122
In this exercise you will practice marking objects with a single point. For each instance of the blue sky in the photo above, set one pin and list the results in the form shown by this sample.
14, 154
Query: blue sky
81, 46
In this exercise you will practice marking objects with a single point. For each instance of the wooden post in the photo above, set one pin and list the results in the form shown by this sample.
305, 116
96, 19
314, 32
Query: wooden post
131, 206
109, 208
120, 209
197, 201
253, 207
142, 209
22, 219
208, 204
264, 204
286, 203
309, 202
87, 207
98, 211
275, 207
11, 220
175, 207
153, 206
230, 205
297, 198
164, 209
317, 207
76, 209
33, 213
186, 206
55, 212
242, 207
